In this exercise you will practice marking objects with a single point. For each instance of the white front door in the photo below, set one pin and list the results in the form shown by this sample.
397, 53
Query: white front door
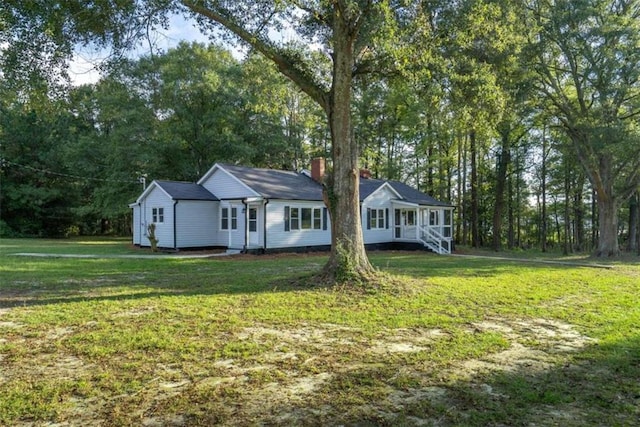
405, 224
253, 227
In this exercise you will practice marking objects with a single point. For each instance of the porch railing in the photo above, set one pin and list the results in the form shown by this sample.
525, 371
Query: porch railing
434, 240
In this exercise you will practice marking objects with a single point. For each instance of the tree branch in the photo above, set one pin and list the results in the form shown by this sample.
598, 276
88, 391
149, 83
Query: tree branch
285, 63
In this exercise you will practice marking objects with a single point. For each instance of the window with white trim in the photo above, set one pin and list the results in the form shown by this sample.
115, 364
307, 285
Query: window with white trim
225, 219
297, 218
157, 215
377, 218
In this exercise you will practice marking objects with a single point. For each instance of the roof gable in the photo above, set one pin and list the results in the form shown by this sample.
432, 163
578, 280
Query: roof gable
148, 191
376, 189
219, 168
403, 191
412, 195
178, 190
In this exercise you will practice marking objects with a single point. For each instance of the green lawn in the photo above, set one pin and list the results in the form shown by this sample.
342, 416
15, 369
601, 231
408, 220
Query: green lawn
247, 340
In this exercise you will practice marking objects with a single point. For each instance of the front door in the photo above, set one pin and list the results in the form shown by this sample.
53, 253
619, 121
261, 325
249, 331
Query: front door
253, 227
405, 224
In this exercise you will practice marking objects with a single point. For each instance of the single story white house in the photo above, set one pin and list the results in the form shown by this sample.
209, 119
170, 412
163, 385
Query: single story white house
253, 209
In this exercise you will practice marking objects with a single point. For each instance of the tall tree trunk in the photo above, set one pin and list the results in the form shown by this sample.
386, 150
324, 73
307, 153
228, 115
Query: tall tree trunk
567, 209
348, 259
578, 215
634, 216
475, 203
519, 211
511, 230
465, 196
430, 150
607, 228
594, 219
543, 179
501, 181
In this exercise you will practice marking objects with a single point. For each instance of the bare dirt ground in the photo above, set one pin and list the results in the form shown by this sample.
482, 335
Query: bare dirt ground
305, 359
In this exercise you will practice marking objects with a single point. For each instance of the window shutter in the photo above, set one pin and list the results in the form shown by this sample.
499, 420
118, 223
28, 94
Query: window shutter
386, 218
368, 218
286, 218
324, 218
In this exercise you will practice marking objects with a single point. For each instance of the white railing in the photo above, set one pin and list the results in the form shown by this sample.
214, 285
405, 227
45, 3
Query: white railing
434, 240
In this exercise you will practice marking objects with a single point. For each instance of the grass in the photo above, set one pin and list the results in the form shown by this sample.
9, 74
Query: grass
243, 341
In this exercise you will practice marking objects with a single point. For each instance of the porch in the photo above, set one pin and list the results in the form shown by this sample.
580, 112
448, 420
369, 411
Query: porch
430, 225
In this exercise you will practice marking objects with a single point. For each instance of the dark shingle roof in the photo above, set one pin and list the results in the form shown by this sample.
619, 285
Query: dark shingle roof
288, 185
186, 190
277, 184
408, 193
412, 195
368, 186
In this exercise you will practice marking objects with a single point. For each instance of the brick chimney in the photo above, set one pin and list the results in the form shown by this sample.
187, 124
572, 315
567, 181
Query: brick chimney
365, 173
317, 169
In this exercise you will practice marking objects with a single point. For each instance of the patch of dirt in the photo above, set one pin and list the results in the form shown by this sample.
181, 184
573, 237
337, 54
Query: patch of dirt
287, 383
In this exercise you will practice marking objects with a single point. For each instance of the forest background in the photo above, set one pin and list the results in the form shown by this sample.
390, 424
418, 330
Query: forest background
517, 115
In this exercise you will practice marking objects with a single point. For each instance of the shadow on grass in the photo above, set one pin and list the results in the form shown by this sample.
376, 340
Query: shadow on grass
425, 264
53, 281
599, 388
69, 281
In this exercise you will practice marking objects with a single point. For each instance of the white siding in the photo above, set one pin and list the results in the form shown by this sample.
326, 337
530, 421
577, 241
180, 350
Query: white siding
196, 223
135, 224
164, 231
225, 186
277, 237
380, 199
233, 239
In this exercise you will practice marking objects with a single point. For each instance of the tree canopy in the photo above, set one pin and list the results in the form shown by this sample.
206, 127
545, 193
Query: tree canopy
523, 113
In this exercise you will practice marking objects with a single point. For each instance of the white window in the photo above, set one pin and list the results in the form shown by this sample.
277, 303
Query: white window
377, 218
303, 218
225, 219
157, 214
295, 219
253, 219
317, 218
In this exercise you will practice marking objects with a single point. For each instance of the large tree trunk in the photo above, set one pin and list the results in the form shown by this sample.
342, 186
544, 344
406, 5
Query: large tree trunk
501, 183
579, 244
601, 176
567, 209
543, 180
511, 237
634, 215
475, 202
607, 227
348, 260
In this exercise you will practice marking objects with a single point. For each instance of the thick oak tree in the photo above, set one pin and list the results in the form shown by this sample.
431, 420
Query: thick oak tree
588, 66
346, 31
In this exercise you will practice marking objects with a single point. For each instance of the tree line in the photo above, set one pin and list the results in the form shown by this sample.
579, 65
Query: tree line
523, 114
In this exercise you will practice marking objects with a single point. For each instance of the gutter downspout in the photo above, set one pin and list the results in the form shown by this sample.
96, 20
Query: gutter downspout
143, 224
139, 224
175, 203
229, 229
246, 225
264, 239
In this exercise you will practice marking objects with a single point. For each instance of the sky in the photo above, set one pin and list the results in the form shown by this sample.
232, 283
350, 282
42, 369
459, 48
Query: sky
83, 66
